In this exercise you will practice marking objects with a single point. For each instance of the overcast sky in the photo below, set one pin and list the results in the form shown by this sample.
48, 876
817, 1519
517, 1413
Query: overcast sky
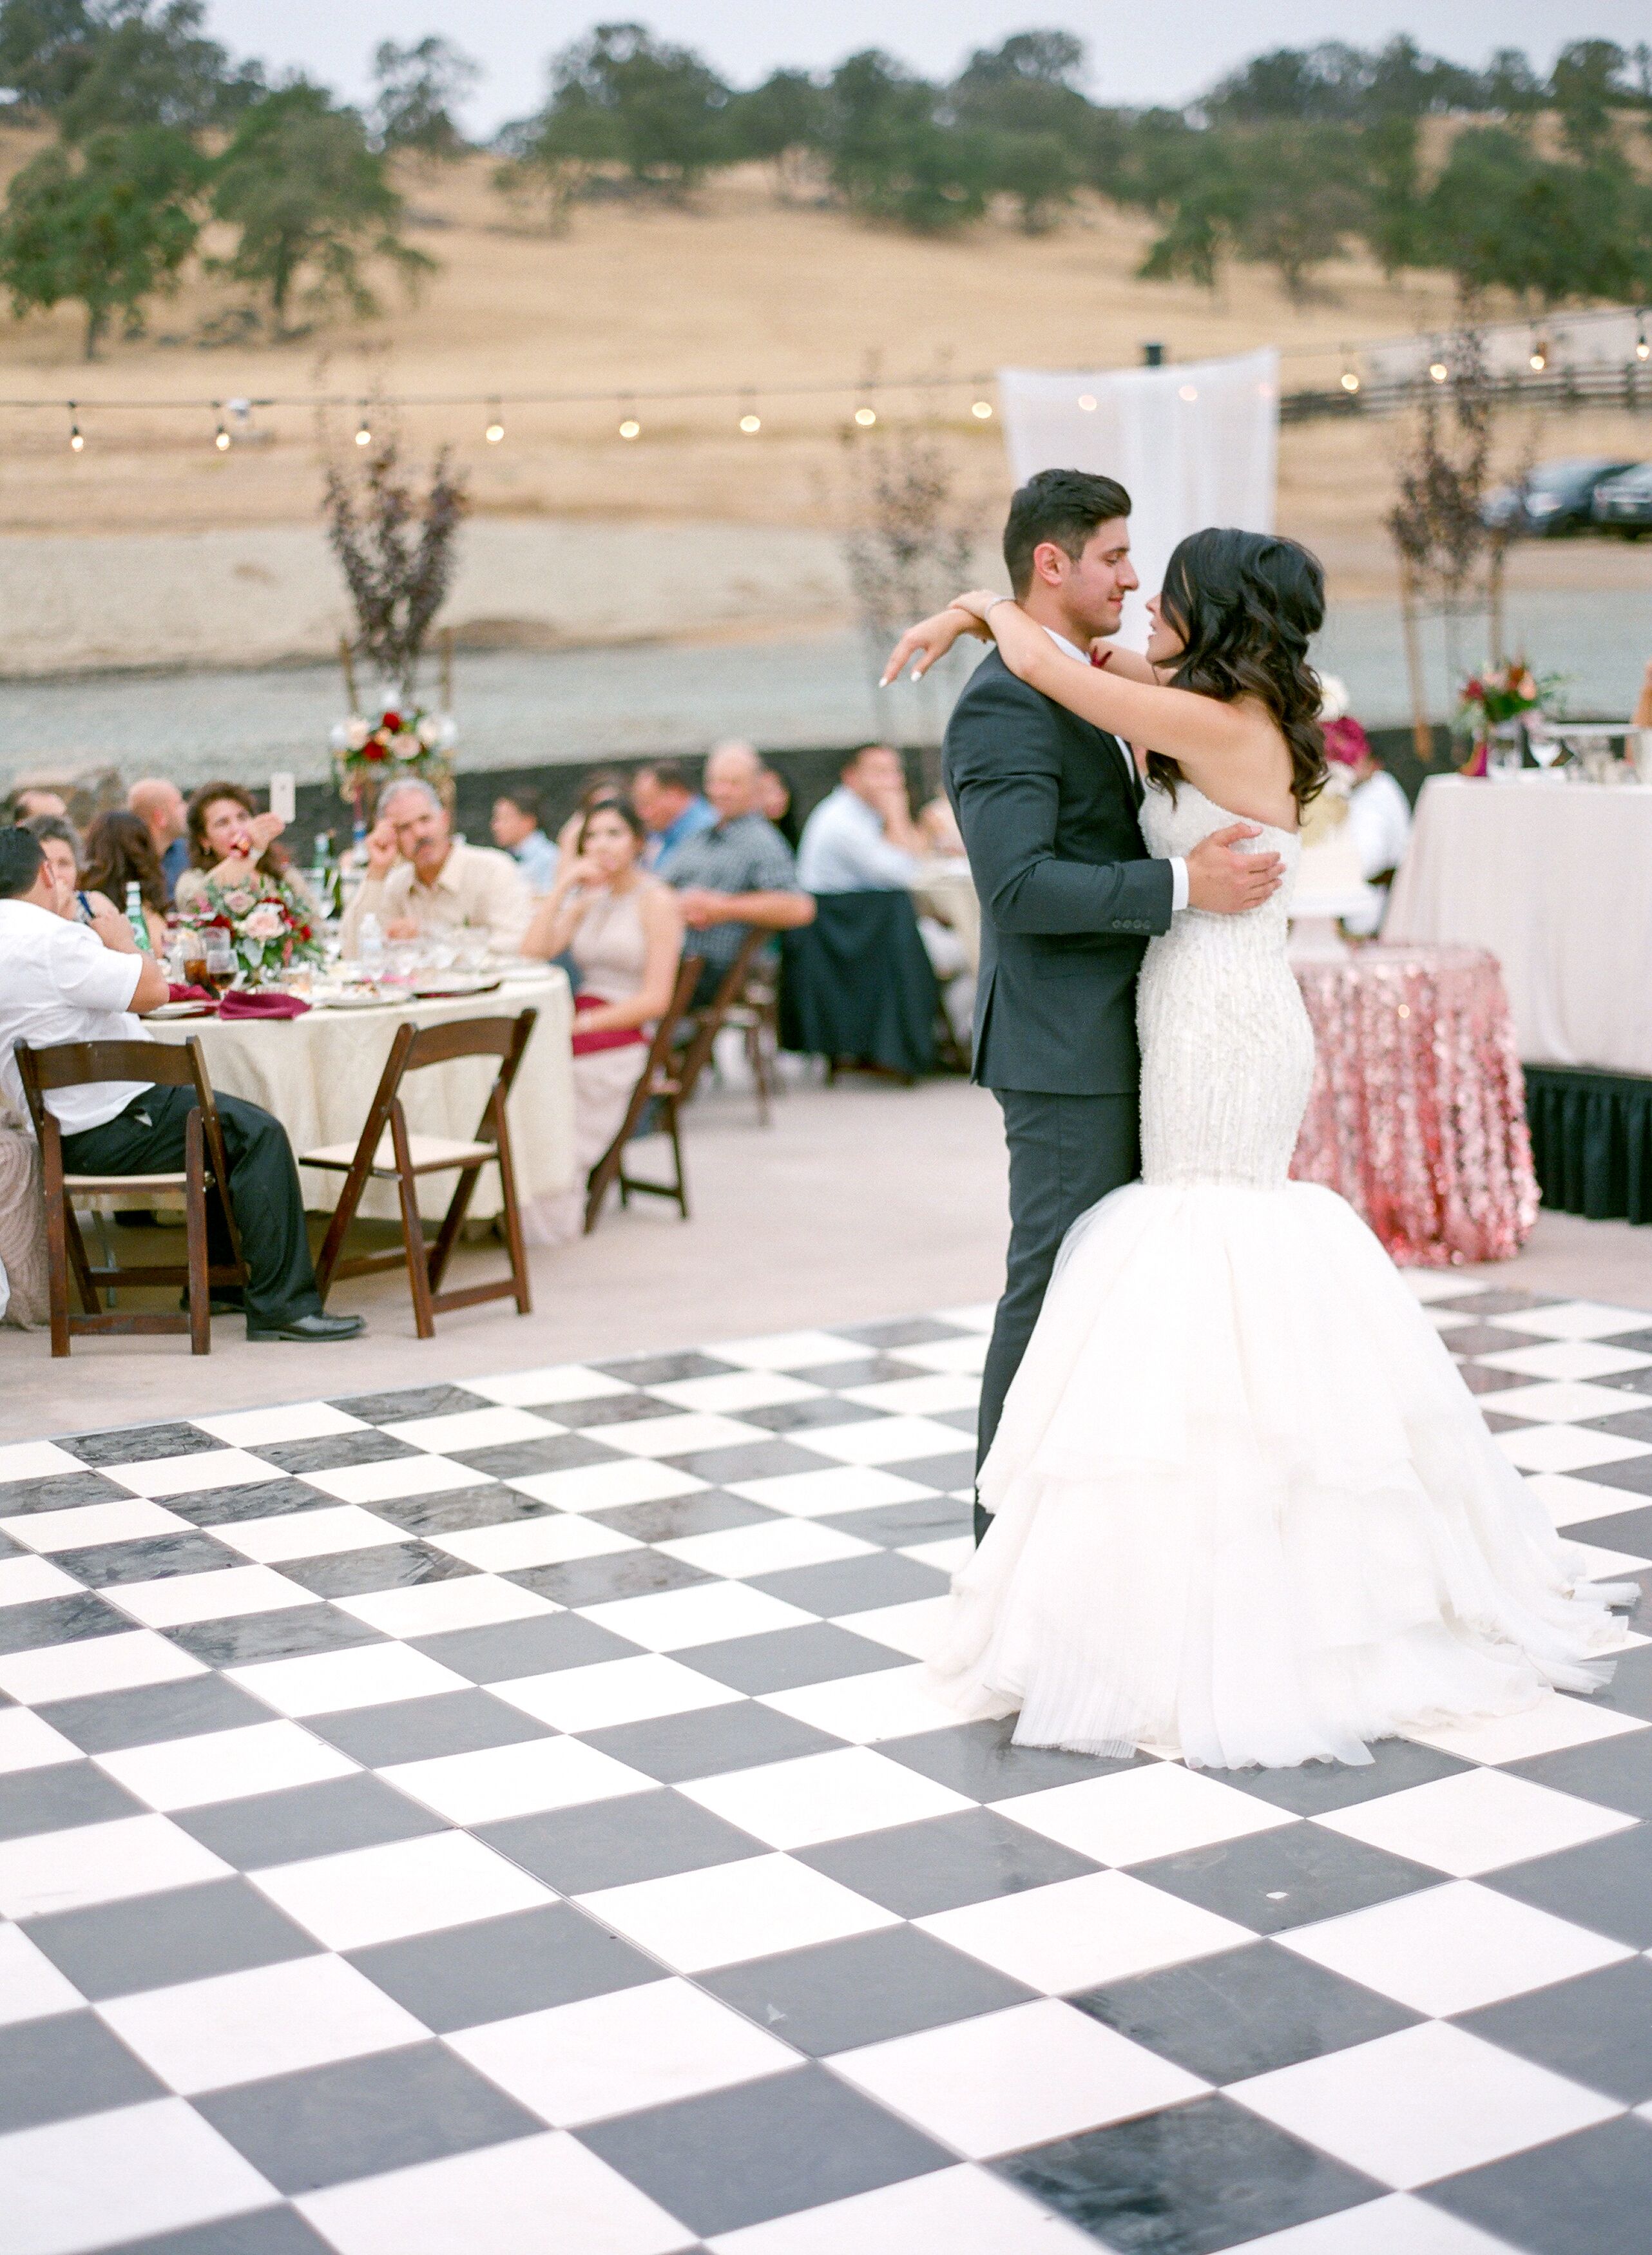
1163, 52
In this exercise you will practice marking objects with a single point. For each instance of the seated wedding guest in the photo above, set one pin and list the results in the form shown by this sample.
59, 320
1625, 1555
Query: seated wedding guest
672, 809
31, 800
622, 931
1379, 813
421, 883
737, 874
518, 831
61, 843
67, 982
938, 825
232, 845
600, 788
861, 838
120, 851
159, 805
774, 804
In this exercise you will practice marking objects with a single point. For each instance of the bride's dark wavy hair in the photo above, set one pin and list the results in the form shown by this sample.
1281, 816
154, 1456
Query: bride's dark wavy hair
1246, 605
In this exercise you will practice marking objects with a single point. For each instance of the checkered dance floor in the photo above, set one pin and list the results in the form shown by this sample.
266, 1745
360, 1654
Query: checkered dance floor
509, 1817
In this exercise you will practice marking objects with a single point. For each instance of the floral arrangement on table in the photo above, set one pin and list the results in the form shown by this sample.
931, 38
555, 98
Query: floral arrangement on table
368, 753
1500, 694
270, 927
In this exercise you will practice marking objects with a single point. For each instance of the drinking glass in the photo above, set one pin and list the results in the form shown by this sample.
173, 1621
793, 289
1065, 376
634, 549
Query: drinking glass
221, 964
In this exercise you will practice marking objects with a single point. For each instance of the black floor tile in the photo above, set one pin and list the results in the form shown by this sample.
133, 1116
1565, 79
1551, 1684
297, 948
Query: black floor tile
668, 1520
103, 1721
1629, 1424
139, 1444
843, 1994
1187, 2181
382, 1566
267, 2231
291, 1632
1272, 1880
1480, 1378
415, 1729
1619, 1530
58, 1492
307, 1820
1596, 2030
977, 1758
552, 1452
608, 1843
1630, 1689
391, 1408
68, 2064
155, 1941
944, 1862
925, 1519
816, 1409
1588, 2194
329, 1451
228, 1506
746, 1460
781, 1659
1605, 1884
709, 1740
600, 1580
1615, 1772
1315, 1787
608, 1409
1243, 2011
740, 2157
853, 1585
523, 1647
647, 1370
502, 1967
460, 1511
871, 1370
152, 1558
362, 2117
1633, 1474
56, 1798
952, 1470
901, 1331
58, 1620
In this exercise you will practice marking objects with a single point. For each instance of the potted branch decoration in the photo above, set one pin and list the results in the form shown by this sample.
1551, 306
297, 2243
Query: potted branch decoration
396, 550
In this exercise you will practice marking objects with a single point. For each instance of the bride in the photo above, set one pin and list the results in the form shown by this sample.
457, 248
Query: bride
1245, 1510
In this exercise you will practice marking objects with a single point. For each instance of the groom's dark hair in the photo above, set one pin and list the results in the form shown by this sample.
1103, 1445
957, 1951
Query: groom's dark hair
1065, 506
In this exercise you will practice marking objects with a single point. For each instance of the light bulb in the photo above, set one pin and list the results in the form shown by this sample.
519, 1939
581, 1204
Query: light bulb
866, 416
982, 411
495, 432
364, 436
1539, 356
1438, 370
1350, 381
77, 441
221, 439
1642, 347
750, 424
630, 428
1086, 400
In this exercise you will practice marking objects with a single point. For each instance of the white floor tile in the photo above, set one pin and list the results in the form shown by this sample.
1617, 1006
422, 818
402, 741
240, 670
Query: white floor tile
516, 1543
393, 1479
473, 1429
829, 1796
125, 2175
1555, 1722
541, 1389
179, 1599
919, 1397
978, 1317
1454, 1948
608, 1487
191, 1475
1479, 1820
1396, 2225
790, 1351
1007, 2080
404, 1887
547, 2195
322, 1534
1431, 1284
96, 1663
1577, 1319
950, 1555
21, 1460
1423, 2104
1078, 1932
427, 1608
731, 1911
224, 1765
681, 1435
951, 1354
965, 2211
731, 1391
673, 1620
47, 1871
265, 1429
815, 1495
914, 1628
327, 1682
1566, 1448
274, 2019
30, 1986
1603, 1565
1557, 1401
887, 1703
1138, 1814
494, 1782
1571, 1359
1573, 1502
28, 1743
619, 2053
83, 1524
23, 1581
882, 1440
768, 1547
613, 1692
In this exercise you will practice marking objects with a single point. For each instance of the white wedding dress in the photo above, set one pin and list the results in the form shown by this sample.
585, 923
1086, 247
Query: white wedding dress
1245, 1509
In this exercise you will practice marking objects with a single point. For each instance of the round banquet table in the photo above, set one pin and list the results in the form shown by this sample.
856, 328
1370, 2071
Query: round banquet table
945, 891
318, 1074
1417, 1113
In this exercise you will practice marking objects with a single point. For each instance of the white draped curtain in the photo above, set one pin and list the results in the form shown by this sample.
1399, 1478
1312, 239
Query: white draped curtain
1192, 446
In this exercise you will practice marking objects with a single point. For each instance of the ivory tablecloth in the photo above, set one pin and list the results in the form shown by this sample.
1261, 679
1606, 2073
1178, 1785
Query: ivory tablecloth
945, 891
1556, 879
318, 1074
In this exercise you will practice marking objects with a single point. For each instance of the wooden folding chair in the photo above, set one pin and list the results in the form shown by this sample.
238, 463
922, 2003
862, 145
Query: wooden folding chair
709, 1021
658, 1083
387, 1152
73, 1065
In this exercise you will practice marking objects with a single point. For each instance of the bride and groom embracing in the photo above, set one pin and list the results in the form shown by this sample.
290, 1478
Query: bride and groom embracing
1234, 1502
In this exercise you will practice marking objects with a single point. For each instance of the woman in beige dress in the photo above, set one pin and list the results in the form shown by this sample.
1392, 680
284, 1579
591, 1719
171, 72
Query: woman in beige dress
623, 931
232, 846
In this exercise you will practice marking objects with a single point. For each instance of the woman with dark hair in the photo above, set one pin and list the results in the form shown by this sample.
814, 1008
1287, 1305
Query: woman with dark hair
120, 851
65, 855
232, 846
1244, 1508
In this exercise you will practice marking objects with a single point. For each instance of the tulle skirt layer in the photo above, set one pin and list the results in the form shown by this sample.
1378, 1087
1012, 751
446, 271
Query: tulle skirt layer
1245, 1509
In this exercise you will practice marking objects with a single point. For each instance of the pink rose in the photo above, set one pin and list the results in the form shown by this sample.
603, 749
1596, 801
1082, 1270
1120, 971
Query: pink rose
266, 922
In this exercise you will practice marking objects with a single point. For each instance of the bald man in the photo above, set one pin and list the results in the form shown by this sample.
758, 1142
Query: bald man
159, 805
739, 873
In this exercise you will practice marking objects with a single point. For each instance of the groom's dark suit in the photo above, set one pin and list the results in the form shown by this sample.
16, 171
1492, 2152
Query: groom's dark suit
1069, 898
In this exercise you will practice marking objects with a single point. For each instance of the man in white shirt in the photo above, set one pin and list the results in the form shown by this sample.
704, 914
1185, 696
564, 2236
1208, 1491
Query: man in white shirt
72, 982
861, 838
421, 883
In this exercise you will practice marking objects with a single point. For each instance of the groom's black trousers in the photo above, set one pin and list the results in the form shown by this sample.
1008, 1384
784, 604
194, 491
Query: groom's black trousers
1065, 1154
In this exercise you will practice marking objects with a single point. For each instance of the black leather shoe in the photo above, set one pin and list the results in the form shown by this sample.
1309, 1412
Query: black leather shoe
311, 1331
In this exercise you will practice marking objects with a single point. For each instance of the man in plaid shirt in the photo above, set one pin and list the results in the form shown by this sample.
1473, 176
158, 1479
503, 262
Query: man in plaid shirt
738, 873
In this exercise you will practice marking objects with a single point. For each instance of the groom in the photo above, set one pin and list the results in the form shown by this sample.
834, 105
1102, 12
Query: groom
1049, 807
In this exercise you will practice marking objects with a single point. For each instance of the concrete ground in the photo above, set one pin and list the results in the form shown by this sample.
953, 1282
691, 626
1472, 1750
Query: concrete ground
861, 1201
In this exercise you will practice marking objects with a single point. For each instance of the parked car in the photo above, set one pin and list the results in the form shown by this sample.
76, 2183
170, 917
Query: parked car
1624, 503
1553, 497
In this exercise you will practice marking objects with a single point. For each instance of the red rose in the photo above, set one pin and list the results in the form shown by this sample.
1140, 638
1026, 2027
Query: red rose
377, 751
392, 721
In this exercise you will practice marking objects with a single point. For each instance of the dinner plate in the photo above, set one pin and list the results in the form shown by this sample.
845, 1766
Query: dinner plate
353, 1001
182, 1010
440, 986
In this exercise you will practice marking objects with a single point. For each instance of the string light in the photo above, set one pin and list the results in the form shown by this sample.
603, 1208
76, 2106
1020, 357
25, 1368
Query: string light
1350, 373
866, 416
495, 429
365, 431
1539, 354
751, 424
1086, 400
1642, 347
630, 428
982, 410
1188, 391
1437, 367
221, 440
77, 439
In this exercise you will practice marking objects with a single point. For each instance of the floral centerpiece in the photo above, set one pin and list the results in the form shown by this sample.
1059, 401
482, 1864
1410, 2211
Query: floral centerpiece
268, 927
1500, 694
369, 753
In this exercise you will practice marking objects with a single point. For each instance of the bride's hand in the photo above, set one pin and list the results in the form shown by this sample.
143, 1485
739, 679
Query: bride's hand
933, 638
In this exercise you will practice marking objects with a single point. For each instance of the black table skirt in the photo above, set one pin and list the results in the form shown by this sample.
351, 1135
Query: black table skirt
857, 983
1592, 1142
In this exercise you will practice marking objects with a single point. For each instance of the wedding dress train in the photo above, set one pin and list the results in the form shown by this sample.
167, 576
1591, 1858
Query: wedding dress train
1245, 1509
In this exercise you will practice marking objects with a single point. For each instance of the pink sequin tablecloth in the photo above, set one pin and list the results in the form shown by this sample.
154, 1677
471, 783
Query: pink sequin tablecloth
1418, 1112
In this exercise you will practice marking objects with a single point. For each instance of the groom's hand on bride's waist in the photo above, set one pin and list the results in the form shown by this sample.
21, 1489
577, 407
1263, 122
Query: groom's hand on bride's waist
1223, 880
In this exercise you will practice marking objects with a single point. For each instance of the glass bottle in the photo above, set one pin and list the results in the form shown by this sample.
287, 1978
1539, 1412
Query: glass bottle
137, 919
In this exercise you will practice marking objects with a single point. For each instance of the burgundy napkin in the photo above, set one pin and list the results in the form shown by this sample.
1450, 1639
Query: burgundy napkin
609, 1037
186, 993
235, 1004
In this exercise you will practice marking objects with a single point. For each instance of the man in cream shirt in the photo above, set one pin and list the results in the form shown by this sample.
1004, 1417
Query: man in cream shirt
421, 883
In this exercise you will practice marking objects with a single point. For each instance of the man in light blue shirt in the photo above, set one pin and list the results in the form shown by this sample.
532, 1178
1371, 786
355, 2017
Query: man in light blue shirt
862, 839
518, 831
670, 810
